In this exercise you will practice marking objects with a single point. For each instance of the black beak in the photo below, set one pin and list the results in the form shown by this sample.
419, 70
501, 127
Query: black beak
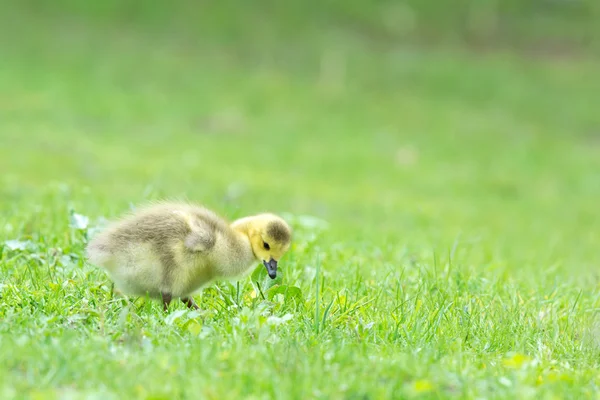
271, 266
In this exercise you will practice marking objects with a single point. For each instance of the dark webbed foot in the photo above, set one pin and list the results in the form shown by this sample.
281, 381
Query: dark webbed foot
188, 301
166, 298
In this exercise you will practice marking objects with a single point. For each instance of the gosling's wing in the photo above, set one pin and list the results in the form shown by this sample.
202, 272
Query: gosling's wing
163, 225
202, 235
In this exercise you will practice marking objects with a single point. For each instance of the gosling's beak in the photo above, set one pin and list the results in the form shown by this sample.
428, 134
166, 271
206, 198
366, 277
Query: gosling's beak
271, 266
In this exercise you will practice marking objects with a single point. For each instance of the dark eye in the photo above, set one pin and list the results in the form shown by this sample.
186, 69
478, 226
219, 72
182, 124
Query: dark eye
266, 246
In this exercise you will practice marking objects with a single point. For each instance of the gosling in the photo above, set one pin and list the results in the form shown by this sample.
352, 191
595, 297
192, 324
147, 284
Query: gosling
172, 250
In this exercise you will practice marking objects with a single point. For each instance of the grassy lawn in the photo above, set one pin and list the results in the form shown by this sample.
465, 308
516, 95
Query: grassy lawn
445, 205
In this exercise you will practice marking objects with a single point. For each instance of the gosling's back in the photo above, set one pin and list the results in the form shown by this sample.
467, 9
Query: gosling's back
162, 248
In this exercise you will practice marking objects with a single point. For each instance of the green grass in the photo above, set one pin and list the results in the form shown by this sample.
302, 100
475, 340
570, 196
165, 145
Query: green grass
460, 255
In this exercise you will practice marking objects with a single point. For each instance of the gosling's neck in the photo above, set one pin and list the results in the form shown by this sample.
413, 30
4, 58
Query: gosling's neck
235, 256
242, 230
242, 226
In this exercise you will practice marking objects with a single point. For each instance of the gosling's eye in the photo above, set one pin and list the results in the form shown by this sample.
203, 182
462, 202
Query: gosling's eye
266, 246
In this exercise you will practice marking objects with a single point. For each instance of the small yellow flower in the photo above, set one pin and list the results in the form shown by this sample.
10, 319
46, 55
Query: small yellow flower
423, 385
516, 361
555, 376
194, 328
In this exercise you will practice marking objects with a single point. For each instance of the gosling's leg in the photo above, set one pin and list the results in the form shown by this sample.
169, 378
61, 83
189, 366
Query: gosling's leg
166, 298
188, 301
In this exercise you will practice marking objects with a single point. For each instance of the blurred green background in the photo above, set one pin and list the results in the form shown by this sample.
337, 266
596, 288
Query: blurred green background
417, 119
421, 131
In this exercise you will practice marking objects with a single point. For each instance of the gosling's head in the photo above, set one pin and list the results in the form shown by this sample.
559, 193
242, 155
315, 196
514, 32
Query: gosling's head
270, 237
